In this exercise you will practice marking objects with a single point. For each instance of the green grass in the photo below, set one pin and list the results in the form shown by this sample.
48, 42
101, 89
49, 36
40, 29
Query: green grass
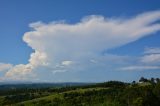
59, 96
144, 84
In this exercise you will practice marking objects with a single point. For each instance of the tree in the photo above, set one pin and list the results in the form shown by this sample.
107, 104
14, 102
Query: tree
152, 80
134, 82
142, 79
157, 80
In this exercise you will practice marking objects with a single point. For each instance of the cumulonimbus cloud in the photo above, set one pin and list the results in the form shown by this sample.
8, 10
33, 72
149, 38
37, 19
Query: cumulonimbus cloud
61, 43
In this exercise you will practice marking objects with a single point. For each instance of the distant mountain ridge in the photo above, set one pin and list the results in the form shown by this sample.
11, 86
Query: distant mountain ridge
11, 85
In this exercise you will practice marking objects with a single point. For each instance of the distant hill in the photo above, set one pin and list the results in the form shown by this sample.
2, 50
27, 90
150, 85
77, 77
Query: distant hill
28, 85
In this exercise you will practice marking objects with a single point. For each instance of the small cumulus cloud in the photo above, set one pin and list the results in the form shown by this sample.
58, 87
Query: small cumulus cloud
19, 72
67, 63
5, 67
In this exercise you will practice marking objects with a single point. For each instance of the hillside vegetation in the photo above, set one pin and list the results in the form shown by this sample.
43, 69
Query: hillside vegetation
113, 93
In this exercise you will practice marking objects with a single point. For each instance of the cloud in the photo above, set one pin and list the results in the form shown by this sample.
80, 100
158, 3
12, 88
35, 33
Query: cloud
139, 68
152, 50
59, 43
66, 63
149, 61
19, 72
152, 56
5, 67
24, 71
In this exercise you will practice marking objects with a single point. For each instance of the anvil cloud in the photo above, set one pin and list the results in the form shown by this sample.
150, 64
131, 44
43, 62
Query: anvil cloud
59, 46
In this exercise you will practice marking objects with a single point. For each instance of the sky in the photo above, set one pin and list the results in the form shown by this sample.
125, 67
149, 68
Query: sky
79, 40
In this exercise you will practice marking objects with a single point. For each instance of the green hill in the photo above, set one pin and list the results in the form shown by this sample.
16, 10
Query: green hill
112, 93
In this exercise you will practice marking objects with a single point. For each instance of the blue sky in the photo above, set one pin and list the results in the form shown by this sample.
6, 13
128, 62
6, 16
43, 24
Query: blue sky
98, 64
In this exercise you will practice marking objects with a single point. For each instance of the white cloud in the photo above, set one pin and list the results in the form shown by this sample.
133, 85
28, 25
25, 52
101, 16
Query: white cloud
38, 58
152, 55
66, 63
152, 58
4, 67
149, 61
54, 43
152, 50
20, 72
139, 68
93, 61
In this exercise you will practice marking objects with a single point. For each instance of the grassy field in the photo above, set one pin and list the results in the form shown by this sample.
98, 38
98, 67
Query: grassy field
55, 96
